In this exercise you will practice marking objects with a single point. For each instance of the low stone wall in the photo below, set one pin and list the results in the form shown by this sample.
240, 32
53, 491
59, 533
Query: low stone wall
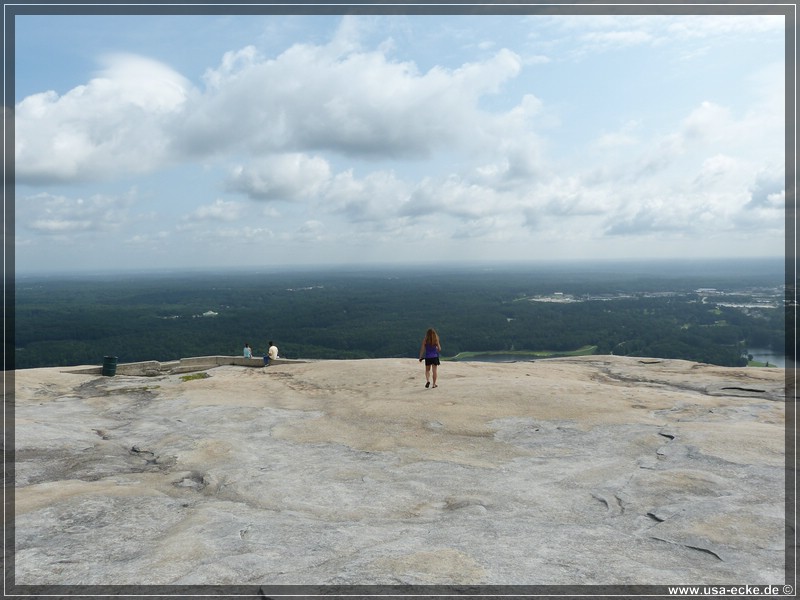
152, 368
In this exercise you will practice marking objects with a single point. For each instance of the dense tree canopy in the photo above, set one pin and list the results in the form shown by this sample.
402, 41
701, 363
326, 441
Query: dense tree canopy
366, 314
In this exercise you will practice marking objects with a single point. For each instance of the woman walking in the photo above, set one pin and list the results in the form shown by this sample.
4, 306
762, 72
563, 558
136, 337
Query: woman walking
429, 352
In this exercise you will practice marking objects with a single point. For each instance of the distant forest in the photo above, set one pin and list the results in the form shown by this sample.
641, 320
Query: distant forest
653, 310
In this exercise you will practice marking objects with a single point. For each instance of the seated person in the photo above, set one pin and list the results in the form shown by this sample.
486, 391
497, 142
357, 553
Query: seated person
272, 353
248, 351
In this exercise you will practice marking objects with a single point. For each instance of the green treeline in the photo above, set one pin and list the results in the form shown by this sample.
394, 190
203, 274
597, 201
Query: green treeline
374, 314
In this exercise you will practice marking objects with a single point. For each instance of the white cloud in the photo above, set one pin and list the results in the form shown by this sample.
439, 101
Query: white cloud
222, 237
768, 189
373, 198
712, 201
149, 84
220, 210
718, 170
611, 32
707, 126
114, 124
349, 144
148, 239
242, 234
709, 122
600, 41
232, 62
536, 59
623, 137
310, 231
571, 196
45, 225
766, 204
138, 115
256, 233
312, 98
453, 197
655, 215
688, 180
483, 228
707, 26
710, 128
55, 214
291, 176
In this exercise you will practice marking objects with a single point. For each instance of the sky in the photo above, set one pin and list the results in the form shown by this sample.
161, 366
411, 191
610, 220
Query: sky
228, 141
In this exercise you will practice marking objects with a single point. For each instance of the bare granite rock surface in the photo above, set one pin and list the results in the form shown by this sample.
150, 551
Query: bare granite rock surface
592, 470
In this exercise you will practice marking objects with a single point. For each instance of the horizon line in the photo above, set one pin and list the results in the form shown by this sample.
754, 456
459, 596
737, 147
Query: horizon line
370, 266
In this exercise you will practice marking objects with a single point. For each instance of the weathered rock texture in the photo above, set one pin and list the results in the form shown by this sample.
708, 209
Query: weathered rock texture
595, 470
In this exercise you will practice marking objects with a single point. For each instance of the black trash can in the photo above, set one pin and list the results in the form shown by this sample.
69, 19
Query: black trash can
109, 366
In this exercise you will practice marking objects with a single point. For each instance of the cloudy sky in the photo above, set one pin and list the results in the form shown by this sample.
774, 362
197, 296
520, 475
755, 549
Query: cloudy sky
234, 141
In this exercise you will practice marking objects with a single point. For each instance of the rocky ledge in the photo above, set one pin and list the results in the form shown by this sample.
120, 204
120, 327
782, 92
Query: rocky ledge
593, 470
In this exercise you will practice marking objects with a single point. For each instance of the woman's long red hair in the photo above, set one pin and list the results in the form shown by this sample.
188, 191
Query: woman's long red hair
431, 338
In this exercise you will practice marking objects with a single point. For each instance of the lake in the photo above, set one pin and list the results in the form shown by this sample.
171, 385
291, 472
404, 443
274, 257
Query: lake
765, 355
